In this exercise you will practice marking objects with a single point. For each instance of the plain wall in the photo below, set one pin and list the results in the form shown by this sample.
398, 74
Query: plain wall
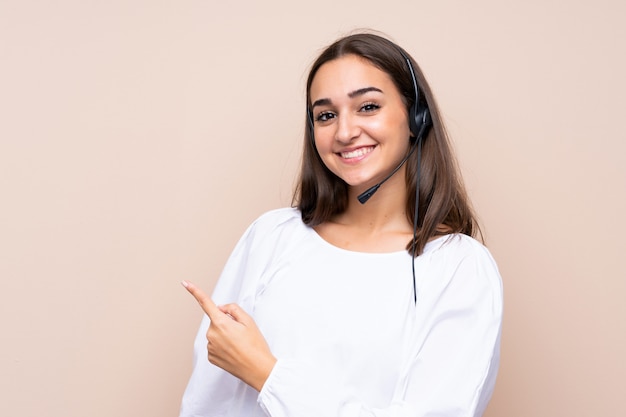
139, 138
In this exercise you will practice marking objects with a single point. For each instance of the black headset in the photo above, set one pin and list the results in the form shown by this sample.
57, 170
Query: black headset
419, 123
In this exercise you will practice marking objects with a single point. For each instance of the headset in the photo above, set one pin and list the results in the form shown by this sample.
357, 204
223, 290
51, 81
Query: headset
420, 122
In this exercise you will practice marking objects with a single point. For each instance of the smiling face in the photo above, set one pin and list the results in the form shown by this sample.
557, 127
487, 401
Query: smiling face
360, 121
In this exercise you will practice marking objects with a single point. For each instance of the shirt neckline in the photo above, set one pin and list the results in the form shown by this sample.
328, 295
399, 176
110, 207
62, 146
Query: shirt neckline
427, 248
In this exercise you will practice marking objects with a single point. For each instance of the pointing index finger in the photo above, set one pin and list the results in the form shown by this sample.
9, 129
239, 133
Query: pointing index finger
203, 299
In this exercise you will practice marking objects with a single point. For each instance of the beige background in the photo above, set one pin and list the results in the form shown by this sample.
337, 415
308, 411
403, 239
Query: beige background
139, 138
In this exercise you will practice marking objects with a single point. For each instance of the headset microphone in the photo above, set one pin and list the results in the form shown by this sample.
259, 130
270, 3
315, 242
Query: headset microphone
363, 197
423, 128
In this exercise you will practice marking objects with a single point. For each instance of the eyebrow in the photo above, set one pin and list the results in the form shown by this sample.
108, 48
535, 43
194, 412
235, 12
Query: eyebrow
352, 94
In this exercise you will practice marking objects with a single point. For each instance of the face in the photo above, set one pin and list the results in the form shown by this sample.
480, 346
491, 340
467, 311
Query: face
360, 121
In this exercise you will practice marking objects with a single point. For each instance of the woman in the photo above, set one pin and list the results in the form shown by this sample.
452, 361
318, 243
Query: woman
357, 301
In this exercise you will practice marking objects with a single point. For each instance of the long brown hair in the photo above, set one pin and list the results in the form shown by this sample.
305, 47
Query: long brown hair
443, 203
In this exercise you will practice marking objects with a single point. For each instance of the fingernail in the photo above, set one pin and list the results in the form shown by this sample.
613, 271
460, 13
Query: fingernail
185, 284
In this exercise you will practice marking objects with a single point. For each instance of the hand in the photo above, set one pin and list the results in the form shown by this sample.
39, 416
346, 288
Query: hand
235, 343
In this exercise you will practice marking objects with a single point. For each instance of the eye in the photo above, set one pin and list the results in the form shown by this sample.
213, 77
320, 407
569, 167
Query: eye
325, 116
369, 107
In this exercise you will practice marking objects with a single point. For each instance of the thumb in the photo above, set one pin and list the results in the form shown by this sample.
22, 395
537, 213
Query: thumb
237, 313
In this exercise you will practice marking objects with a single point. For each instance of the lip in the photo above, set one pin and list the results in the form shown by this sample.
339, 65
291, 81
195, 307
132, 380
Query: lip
356, 154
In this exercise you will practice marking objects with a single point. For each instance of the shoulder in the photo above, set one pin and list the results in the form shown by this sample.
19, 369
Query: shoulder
277, 217
287, 217
458, 247
274, 224
461, 261
264, 240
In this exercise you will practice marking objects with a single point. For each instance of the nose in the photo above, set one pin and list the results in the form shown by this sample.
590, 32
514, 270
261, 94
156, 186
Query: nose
347, 128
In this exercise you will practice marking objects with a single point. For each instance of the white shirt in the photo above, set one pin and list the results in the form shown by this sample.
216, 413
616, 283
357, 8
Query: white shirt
349, 339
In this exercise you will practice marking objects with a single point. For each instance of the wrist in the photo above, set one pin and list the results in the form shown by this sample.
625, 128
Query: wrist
263, 370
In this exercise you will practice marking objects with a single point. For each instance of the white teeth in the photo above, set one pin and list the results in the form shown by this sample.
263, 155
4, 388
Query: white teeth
357, 152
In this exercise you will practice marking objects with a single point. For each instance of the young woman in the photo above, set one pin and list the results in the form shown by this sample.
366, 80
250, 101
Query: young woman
357, 301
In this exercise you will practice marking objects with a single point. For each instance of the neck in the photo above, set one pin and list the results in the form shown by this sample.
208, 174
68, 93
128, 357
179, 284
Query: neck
385, 208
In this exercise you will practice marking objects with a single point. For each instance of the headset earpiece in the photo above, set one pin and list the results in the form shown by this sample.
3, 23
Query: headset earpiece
419, 120
419, 114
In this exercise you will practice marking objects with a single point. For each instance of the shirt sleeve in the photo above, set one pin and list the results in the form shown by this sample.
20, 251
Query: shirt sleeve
451, 360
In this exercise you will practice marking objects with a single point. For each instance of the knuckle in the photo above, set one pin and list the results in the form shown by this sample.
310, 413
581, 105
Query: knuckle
217, 321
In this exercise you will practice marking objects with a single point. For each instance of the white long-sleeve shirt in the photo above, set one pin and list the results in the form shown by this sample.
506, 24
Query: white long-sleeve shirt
349, 339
